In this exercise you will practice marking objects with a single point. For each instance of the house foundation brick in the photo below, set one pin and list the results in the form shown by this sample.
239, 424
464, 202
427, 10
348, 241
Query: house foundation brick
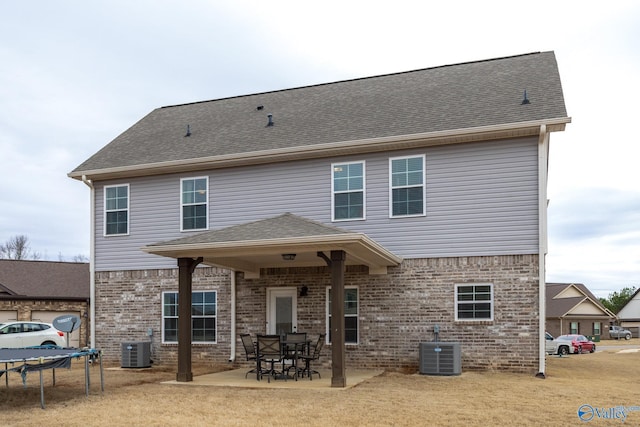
396, 311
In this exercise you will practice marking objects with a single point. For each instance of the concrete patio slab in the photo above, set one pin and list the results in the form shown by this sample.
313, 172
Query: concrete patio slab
235, 378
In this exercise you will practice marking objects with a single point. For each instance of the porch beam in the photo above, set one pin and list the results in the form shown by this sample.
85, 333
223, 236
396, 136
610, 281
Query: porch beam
186, 266
338, 376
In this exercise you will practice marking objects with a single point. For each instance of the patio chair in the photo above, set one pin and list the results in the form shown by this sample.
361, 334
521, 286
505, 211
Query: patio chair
269, 352
250, 351
312, 356
295, 345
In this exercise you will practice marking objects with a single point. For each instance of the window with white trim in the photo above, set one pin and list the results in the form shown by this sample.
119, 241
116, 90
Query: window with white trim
116, 210
351, 307
407, 189
347, 187
474, 301
203, 317
194, 203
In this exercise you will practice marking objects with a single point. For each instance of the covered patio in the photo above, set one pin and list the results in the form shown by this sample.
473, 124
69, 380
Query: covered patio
236, 378
286, 240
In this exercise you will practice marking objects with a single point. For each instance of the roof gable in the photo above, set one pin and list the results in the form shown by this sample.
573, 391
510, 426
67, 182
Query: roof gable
631, 309
566, 299
569, 292
441, 99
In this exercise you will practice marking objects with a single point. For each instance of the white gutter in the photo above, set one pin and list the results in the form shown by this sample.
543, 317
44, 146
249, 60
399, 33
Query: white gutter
92, 265
232, 357
543, 169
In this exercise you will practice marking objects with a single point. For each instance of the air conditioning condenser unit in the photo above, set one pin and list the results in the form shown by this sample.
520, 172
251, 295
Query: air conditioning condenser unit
136, 354
440, 358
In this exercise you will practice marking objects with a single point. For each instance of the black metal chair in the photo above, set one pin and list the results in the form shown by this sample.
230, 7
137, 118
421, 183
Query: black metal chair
250, 351
270, 353
295, 345
314, 354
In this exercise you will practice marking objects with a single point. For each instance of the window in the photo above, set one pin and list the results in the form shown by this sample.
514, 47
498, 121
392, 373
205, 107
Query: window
203, 317
347, 186
194, 203
350, 314
116, 210
574, 328
407, 188
474, 302
596, 328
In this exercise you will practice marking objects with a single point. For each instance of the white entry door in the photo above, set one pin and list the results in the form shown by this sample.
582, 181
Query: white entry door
281, 310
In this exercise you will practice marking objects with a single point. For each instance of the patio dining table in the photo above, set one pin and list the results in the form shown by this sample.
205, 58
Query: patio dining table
289, 350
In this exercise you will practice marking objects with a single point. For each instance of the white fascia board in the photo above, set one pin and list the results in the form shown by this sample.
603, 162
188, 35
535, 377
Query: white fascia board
391, 143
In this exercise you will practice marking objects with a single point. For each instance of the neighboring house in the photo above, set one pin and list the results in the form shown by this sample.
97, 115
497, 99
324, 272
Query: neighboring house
629, 314
43, 290
573, 309
418, 197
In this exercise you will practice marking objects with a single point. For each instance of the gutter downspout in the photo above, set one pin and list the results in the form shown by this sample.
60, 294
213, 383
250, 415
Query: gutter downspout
543, 170
232, 357
92, 265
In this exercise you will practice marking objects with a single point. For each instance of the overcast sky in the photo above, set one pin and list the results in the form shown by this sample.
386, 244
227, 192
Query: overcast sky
76, 74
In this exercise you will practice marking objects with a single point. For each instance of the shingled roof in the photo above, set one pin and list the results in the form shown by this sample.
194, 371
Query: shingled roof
285, 226
559, 307
260, 244
20, 279
320, 118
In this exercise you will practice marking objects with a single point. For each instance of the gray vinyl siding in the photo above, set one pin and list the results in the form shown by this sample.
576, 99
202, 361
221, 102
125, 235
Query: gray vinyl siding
482, 199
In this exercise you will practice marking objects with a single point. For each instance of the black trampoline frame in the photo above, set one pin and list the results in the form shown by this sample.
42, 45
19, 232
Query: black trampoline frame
22, 361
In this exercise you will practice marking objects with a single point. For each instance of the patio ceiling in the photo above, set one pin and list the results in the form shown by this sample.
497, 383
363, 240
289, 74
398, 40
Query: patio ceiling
262, 244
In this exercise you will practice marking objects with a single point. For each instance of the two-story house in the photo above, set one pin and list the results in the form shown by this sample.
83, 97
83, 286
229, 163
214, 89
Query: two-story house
395, 203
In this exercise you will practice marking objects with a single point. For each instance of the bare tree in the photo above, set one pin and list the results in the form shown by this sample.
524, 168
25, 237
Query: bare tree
80, 258
17, 247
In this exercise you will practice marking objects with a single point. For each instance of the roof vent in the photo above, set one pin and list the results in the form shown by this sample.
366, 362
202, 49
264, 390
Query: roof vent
270, 117
525, 100
188, 131
259, 107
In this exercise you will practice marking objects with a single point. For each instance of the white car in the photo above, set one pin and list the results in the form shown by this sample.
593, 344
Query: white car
557, 346
30, 334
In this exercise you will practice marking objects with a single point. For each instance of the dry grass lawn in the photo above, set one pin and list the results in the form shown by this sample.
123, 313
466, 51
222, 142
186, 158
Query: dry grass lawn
604, 379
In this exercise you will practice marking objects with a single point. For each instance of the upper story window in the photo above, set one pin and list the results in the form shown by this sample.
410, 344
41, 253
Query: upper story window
474, 302
347, 186
194, 203
203, 317
116, 210
407, 189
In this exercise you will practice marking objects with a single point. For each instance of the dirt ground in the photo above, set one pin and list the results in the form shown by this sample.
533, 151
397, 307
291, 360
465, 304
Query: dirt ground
604, 380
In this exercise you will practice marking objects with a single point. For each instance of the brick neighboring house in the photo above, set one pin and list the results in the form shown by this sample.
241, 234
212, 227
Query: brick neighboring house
394, 203
573, 309
44, 290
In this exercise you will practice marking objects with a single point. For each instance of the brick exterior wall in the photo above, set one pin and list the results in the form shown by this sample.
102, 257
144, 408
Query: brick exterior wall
397, 311
557, 327
26, 307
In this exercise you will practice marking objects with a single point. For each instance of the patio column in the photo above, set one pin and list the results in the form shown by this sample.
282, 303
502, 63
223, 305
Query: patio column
186, 266
338, 377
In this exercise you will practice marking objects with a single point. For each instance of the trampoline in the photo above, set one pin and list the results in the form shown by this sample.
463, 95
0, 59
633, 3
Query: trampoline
25, 360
